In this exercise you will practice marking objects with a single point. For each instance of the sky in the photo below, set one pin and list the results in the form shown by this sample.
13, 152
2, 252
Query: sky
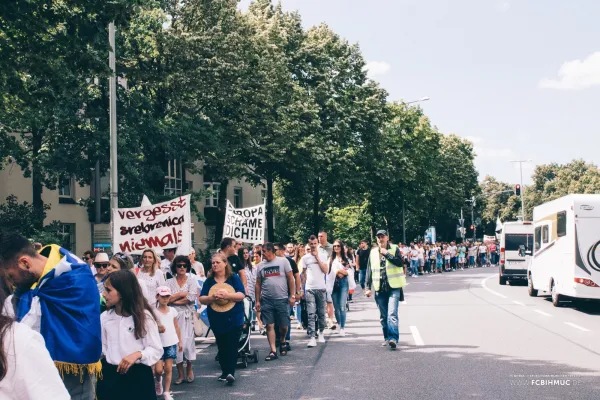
519, 78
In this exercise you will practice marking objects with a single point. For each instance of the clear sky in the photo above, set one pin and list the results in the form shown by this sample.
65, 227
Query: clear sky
520, 78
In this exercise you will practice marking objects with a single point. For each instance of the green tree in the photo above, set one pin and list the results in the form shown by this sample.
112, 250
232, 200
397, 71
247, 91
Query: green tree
49, 57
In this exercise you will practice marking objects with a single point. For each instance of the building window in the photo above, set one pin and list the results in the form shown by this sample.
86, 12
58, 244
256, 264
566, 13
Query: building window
561, 224
263, 196
67, 234
212, 199
105, 187
237, 197
189, 185
66, 188
173, 179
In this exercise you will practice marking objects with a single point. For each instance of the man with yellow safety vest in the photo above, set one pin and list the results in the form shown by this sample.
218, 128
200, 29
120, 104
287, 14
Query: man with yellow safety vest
387, 276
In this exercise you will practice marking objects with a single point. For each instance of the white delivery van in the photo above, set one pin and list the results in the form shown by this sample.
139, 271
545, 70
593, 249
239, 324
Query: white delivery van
566, 250
513, 266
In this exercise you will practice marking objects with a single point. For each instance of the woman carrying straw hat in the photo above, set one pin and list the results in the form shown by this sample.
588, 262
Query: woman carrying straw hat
223, 292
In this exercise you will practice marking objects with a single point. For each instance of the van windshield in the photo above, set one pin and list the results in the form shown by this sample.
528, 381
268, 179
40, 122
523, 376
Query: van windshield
513, 241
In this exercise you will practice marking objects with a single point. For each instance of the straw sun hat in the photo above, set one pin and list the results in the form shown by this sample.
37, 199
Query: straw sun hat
221, 305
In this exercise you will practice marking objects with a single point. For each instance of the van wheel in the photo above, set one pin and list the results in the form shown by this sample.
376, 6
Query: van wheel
556, 298
532, 292
502, 280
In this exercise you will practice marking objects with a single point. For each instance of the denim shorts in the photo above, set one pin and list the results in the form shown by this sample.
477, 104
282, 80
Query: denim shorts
274, 311
169, 352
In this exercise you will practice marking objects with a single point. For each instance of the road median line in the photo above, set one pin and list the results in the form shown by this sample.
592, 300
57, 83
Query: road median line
577, 327
490, 290
416, 336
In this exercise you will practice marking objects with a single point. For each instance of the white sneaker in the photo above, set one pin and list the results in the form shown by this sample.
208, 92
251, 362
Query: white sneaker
312, 342
321, 338
384, 344
299, 326
342, 332
167, 396
158, 386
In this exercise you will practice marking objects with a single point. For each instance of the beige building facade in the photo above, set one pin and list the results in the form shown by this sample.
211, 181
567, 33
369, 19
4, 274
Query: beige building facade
82, 234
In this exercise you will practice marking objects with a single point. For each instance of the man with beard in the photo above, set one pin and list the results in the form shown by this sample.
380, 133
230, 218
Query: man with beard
56, 295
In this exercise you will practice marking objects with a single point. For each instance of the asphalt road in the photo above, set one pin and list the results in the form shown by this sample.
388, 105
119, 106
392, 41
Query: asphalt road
462, 336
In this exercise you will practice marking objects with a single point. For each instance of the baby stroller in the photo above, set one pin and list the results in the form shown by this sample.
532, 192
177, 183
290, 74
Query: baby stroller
245, 352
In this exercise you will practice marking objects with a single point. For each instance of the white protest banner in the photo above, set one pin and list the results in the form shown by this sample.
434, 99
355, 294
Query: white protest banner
245, 224
158, 226
489, 239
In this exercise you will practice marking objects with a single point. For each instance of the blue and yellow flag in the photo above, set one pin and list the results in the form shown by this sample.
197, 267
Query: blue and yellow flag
70, 312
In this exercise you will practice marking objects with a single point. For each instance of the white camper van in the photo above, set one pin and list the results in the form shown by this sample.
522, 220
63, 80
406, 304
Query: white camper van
566, 251
513, 266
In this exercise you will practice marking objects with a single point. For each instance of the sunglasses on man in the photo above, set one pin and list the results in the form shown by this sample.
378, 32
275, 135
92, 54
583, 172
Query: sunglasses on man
181, 265
101, 266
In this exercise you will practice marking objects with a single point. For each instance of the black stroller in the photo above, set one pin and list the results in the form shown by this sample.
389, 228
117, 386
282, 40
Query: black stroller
245, 352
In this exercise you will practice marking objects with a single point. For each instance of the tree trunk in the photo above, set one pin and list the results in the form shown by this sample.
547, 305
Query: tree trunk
316, 201
37, 180
372, 212
270, 227
222, 207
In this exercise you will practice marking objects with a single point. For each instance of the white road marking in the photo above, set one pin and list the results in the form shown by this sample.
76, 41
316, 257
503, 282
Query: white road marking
542, 313
577, 327
417, 336
490, 290
518, 302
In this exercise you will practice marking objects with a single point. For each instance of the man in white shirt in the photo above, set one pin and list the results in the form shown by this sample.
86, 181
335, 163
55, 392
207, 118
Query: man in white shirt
453, 253
315, 270
165, 265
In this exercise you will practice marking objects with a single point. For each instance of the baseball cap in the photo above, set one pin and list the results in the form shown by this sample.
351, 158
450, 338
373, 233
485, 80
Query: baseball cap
381, 232
163, 291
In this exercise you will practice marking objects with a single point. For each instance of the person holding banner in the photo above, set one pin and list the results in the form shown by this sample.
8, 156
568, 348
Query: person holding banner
150, 274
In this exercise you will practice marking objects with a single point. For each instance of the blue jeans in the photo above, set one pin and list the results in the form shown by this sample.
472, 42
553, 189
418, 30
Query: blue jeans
414, 267
387, 302
339, 298
362, 275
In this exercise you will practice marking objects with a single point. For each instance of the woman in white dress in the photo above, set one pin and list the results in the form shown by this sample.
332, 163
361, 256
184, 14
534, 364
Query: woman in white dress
184, 289
150, 274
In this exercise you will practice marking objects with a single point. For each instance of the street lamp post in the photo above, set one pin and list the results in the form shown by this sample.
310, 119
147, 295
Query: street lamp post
522, 188
425, 98
114, 176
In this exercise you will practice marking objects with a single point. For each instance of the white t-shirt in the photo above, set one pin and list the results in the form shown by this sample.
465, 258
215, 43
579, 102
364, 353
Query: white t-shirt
453, 251
165, 266
118, 339
482, 249
31, 373
169, 336
198, 268
315, 278
414, 254
421, 253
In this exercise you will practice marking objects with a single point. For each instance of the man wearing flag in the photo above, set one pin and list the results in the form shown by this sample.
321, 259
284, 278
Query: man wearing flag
56, 295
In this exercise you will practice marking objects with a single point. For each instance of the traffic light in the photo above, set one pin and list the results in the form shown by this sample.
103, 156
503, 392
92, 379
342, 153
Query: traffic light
518, 190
